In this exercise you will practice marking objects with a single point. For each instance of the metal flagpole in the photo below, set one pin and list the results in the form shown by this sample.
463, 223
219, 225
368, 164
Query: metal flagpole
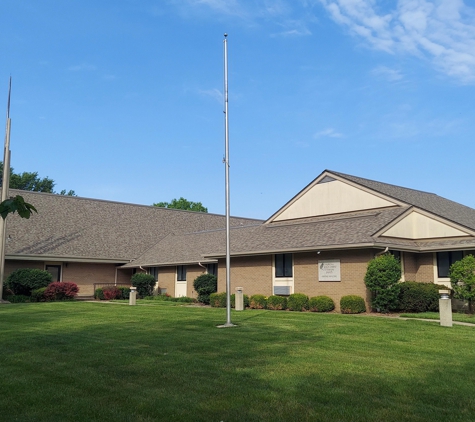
226, 163
5, 185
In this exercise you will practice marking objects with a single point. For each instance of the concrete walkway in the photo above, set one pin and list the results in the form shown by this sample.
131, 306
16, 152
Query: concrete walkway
467, 324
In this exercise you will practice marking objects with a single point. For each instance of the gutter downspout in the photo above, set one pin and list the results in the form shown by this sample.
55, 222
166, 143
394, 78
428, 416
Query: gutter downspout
382, 252
201, 265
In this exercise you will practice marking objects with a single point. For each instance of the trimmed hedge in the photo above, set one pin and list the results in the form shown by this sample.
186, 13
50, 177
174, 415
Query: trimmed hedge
352, 304
258, 302
419, 297
321, 304
277, 303
24, 280
111, 292
218, 300
99, 294
297, 302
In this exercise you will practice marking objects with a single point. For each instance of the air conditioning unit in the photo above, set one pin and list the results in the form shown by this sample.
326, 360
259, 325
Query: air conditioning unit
282, 290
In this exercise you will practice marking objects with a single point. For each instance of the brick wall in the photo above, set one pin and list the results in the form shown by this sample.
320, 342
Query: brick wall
253, 274
425, 268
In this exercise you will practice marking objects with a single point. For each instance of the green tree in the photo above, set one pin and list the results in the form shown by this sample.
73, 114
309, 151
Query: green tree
30, 181
16, 204
382, 279
204, 285
462, 277
182, 204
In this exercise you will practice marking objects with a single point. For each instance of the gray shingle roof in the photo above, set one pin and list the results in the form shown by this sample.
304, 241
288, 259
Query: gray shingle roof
82, 228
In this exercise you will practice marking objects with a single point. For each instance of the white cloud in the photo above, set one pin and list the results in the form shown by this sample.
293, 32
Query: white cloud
391, 75
328, 133
215, 93
442, 31
82, 67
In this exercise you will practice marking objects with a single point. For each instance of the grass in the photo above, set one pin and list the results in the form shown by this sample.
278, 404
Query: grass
461, 317
164, 361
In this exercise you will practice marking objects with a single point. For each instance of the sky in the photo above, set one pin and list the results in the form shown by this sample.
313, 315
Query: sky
122, 100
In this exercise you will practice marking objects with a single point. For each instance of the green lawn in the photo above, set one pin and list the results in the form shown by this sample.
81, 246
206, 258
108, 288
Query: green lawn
461, 317
159, 361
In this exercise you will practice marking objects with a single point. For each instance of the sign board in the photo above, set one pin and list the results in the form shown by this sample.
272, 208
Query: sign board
329, 270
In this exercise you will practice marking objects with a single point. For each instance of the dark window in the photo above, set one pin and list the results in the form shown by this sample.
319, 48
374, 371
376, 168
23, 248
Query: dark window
181, 273
55, 271
283, 265
445, 260
212, 269
153, 271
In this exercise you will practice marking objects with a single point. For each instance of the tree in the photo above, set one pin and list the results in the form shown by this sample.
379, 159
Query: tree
382, 278
462, 277
30, 181
182, 204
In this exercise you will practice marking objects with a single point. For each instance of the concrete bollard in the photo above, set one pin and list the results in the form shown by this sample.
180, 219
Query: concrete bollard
445, 308
133, 296
239, 305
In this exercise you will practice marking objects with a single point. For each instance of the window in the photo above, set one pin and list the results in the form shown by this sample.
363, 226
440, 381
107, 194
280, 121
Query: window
212, 269
445, 260
396, 254
153, 271
55, 271
181, 273
283, 265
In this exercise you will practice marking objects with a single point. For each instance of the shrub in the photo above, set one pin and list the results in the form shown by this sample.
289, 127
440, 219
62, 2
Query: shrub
258, 302
61, 291
217, 300
277, 303
24, 280
144, 283
38, 295
204, 285
382, 279
321, 304
124, 292
111, 292
18, 298
419, 297
462, 277
297, 302
233, 300
99, 294
352, 304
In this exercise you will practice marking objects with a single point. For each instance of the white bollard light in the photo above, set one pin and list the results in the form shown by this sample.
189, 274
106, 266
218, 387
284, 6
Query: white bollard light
133, 295
239, 305
445, 308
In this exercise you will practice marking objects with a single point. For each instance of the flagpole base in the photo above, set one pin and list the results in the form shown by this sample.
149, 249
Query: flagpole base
227, 325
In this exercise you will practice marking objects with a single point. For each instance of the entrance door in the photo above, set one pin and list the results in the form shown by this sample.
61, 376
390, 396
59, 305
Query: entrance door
180, 284
55, 271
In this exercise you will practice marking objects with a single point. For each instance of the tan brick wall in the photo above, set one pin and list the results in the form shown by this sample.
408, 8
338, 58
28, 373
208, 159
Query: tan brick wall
253, 274
12, 265
166, 279
192, 271
410, 266
425, 268
86, 274
352, 271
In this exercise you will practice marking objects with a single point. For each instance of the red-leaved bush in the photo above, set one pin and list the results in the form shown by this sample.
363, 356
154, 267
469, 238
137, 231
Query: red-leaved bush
111, 292
61, 291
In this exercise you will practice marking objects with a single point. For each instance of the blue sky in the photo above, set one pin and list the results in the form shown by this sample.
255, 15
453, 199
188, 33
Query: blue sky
122, 99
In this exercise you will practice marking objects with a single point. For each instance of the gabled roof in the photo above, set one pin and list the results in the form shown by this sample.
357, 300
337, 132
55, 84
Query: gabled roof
384, 205
77, 228
431, 202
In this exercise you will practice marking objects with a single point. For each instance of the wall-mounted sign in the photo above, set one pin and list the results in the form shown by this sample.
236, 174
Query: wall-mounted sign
329, 270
